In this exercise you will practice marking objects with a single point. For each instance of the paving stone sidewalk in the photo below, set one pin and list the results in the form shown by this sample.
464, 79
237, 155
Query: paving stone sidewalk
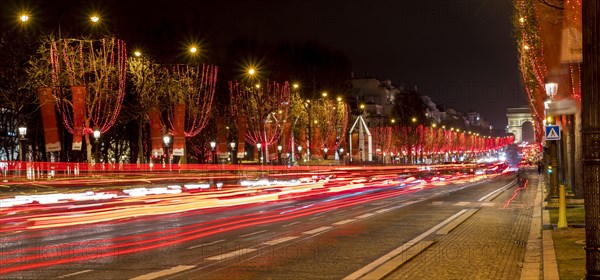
491, 244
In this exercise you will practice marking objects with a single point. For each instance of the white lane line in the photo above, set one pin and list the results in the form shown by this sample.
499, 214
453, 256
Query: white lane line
164, 272
365, 215
231, 254
254, 233
497, 190
401, 249
463, 203
206, 244
74, 273
280, 240
488, 204
290, 224
383, 210
343, 222
316, 230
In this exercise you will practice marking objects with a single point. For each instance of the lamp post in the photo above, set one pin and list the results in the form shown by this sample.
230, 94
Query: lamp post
551, 89
22, 134
97, 144
325, 150
166, 142
279, 148
232, 145
259, 146
299, 153
213, 145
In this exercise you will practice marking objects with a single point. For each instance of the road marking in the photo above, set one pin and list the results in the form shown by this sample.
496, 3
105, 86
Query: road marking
388, 267
485, 197
254, 233
344, 222
164, 272
463, 203
316, 230
401, 249
74, 273
488, 204
383, 210
365, 215
280, 240
437, 203
290, 224
231, 254
206, 244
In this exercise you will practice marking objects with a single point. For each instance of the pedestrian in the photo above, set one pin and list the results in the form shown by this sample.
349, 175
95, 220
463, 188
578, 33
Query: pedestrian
540, 168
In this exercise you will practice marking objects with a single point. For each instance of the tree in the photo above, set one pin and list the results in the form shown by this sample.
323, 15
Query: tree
17, 97
190, 91
262, 107
95, 71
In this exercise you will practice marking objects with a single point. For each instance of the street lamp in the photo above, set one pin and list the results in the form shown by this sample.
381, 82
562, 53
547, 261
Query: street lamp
96, 144
341, 154
325, 150
213, 145
299, 152
166, 142
259, 146
24, 18
22, 134
551, 89
232, 145
279, 148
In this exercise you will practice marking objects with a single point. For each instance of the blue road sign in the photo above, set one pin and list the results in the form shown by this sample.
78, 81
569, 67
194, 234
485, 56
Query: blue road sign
552, 132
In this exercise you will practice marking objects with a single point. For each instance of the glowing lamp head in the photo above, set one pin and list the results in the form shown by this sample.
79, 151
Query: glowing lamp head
213, 144
279, 148
193, 50
96, 134
341, 150
324, 94
22, 130
167, 139
137, 53
232, 144
24, 18
551, 89
258, 145
94, 19
299, 148
251, 71
325, 150
413, 119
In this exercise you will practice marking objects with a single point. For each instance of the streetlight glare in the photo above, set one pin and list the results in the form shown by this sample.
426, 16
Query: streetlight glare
137, 53
296, 86
193, 49
94, 18
24, 18
251, 71
324, 94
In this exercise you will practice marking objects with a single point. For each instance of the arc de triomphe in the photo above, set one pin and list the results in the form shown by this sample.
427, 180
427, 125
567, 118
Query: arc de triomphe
517, 117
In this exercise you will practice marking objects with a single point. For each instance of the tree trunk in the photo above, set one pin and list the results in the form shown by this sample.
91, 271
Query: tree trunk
88, 148
141, 158
591, 134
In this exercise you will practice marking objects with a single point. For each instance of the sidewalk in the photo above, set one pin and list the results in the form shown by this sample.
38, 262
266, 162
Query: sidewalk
501, 240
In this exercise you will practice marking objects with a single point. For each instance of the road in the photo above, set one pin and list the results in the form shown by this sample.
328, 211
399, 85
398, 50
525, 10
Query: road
317, 235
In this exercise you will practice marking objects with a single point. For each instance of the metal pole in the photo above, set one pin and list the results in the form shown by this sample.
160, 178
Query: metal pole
590, 115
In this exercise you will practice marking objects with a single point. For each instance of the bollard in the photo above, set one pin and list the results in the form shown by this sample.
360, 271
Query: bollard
562, 207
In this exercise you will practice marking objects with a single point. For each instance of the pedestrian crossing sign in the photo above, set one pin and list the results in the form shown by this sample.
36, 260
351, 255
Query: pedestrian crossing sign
552, 132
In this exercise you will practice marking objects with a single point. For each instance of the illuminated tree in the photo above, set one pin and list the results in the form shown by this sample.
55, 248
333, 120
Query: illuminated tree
192, 89
263, 107
330, 120
97, 66
146, 78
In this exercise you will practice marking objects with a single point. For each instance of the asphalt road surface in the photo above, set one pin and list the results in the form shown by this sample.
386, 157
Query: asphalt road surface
316, 237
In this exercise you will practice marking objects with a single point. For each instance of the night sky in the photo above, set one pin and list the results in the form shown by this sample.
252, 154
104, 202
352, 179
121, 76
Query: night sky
460, 53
